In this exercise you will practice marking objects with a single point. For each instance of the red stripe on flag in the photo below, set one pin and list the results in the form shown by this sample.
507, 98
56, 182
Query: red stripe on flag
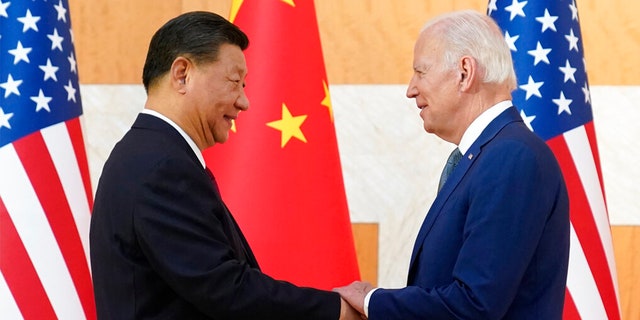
75, 133
44, 178
19, 273
584, 224
570, 311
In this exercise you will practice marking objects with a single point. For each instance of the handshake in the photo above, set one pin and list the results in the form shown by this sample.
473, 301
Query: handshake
352, 300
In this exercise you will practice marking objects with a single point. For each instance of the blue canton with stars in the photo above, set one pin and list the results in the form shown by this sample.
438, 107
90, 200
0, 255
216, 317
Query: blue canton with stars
546, 45
38, 72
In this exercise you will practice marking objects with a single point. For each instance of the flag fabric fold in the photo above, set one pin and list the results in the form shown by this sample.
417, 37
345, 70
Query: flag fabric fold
554, 101
280, 171
45, 191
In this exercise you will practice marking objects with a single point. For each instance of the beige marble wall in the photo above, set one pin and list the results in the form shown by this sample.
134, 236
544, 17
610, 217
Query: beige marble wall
390, 164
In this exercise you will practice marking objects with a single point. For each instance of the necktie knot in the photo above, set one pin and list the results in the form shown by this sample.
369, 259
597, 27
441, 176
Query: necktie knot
452, 162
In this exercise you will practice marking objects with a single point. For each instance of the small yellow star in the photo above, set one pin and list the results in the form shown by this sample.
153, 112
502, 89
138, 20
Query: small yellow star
327, 99
289, 125
233, 126
289, 2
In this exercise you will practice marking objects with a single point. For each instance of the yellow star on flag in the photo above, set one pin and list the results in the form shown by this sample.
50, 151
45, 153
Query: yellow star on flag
289, 125
289, 2
327, 99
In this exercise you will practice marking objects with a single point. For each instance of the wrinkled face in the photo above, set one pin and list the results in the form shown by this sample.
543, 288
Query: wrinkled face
217, 93
434, 87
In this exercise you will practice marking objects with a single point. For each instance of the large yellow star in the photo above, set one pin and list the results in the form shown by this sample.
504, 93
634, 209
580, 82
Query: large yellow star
289, 125
327, 99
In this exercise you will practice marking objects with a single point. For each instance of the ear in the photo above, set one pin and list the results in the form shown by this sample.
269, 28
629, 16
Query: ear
468, 69
180, 69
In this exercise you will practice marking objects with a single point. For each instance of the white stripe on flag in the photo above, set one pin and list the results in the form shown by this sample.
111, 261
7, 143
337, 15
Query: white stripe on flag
8, 308
61, 150
581, 283
33, 228
580, 149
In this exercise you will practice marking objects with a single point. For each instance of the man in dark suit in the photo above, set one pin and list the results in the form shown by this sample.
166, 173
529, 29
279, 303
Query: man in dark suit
163, 243
495, 242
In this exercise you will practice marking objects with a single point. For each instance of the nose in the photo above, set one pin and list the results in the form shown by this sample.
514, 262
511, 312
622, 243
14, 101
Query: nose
242, 102
412, 91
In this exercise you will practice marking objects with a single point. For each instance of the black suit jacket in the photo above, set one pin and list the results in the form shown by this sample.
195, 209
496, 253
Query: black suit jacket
163, 245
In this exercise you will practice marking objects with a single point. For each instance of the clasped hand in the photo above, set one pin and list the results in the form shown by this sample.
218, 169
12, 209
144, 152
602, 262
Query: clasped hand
353, 294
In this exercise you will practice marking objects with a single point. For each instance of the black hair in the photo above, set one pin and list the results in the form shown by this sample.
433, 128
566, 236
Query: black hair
197, 35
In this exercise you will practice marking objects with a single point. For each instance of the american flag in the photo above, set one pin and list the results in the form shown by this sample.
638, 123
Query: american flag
554, 101
45, 192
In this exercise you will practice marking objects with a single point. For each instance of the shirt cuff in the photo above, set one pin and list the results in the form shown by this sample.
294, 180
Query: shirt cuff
366, 302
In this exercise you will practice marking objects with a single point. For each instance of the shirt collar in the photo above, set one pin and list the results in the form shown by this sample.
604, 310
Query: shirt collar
184, 135
480, 123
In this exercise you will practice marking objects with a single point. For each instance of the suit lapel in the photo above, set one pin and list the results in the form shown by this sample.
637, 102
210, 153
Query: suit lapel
240, 244
506, 117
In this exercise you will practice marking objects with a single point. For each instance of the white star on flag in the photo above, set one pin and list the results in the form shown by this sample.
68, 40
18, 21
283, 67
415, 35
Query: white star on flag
539, 54
527, 119
511, 41
29, 22
516, 8
4, 119
71, 92
41, 101
11, 86
573, 41
532, 88
548, 21
20, 53
563, 103
56, 40
569, 72
49, 71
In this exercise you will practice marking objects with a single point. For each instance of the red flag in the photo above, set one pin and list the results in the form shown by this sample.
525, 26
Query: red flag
554, 100
45, 191
280, 171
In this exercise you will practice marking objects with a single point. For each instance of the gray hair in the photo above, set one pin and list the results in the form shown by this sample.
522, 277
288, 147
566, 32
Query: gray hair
477, 35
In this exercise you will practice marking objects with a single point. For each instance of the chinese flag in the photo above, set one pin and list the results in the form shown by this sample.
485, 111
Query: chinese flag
280, 171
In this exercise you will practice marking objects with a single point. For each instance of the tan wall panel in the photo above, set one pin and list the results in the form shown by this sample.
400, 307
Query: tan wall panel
611, 32
364, 41
112, 36
626, 242
221, 7
372, 41
365, 237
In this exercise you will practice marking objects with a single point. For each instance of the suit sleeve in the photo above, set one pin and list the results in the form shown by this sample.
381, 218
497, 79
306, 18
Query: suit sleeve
178, 228
508, 202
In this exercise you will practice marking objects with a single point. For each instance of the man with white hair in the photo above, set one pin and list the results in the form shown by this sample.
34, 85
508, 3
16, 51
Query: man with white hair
495, 242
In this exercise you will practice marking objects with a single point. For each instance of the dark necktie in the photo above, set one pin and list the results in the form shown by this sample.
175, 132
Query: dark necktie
232, 230
452, 162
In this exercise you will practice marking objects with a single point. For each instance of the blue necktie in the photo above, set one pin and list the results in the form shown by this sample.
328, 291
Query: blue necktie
452, 162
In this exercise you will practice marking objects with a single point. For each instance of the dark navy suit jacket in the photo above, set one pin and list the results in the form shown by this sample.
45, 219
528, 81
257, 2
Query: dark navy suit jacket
495, 242
163, 245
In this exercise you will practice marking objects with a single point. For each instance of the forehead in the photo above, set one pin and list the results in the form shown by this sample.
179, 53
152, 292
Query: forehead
231, 58
426, 50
